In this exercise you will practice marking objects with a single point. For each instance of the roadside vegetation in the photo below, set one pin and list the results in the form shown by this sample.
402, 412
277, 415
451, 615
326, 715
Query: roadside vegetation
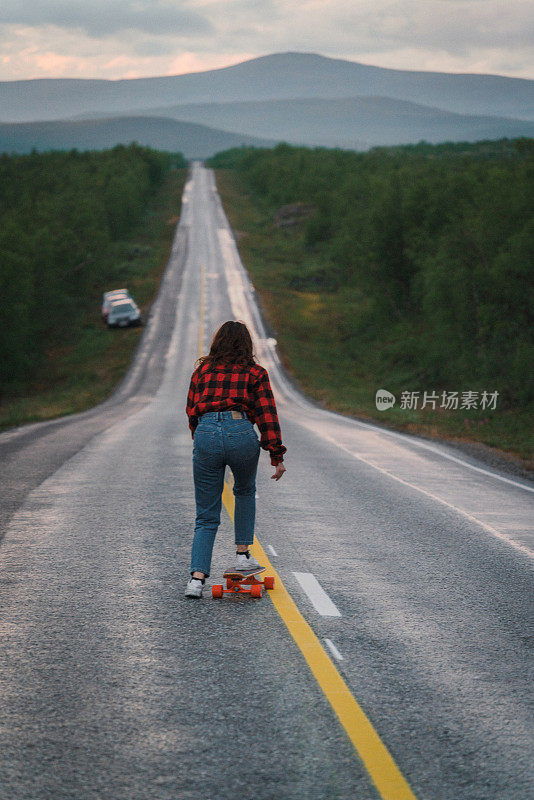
408, 269
73, 225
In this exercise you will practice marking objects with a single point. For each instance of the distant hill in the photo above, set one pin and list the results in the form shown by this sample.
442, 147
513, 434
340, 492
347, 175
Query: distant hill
194, 141
273, 77
353, 122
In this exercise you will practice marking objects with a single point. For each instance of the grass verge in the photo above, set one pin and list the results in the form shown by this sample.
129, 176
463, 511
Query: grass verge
84, 366
313, 330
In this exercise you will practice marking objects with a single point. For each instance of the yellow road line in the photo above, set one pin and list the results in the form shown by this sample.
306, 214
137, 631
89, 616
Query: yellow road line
377, 760
380, 765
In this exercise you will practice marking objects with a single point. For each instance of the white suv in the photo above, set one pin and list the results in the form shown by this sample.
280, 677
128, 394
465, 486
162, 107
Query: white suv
122, 313
109, 297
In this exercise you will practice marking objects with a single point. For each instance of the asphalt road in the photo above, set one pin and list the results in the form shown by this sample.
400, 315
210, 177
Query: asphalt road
113, 685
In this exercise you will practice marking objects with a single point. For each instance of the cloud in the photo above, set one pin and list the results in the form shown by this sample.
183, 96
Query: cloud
56, 52
100, 18
453, 26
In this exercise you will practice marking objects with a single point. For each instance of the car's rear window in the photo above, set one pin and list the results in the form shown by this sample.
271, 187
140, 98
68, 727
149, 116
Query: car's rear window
122, 308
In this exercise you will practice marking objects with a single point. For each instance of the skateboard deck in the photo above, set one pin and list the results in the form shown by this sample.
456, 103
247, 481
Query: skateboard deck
237, 575
243, 583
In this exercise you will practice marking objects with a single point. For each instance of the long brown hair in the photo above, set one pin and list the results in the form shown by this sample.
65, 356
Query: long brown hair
231, 344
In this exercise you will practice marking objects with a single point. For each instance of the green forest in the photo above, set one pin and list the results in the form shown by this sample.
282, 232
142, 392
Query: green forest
404, 268
63, 218
407, 268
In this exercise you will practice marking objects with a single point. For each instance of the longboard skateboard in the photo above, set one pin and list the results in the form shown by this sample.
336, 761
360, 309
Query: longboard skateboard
243, 583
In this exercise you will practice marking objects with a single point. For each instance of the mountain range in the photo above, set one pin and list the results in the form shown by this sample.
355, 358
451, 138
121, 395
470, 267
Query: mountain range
350, 122
296, 97
194, 141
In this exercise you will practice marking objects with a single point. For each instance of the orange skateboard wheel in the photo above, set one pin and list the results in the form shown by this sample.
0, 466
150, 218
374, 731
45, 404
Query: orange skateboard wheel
256, 591
269, 582
216, 591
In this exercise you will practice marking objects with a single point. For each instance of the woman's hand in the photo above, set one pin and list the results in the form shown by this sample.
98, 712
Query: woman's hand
279, 471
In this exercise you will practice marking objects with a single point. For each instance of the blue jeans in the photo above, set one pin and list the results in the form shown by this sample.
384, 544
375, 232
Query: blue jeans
220, 440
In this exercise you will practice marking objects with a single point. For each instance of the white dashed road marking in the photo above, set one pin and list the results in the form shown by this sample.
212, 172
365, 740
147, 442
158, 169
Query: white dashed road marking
317, 595
333, 649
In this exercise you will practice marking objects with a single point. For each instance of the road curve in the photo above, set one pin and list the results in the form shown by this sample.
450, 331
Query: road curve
409, 561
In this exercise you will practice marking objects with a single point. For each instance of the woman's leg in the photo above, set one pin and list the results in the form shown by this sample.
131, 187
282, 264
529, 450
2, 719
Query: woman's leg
244, 465
208, 474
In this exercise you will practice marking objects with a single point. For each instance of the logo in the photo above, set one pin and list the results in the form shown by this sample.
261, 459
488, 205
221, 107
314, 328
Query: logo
384, 399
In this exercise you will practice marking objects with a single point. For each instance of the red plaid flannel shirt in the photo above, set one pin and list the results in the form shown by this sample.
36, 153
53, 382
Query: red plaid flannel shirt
247, 389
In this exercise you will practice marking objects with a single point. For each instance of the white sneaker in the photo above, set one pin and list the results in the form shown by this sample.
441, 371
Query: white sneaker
194, 588
244, 564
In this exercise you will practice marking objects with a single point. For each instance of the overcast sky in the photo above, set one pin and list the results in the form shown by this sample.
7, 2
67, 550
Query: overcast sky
134, 38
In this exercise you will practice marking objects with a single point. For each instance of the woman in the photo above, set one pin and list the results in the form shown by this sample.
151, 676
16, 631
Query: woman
228, 393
